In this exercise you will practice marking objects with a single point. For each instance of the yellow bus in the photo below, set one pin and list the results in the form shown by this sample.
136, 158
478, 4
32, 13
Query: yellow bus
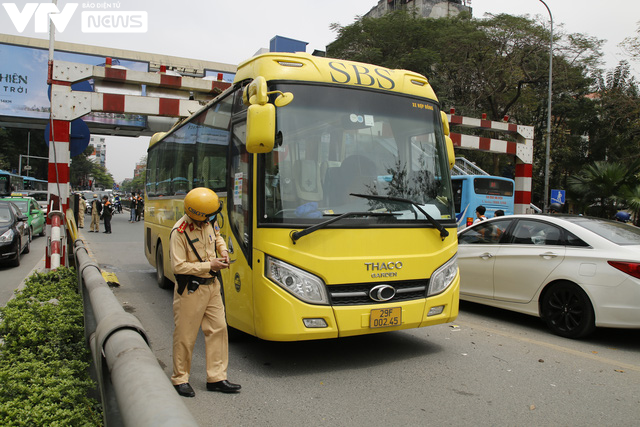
338, 209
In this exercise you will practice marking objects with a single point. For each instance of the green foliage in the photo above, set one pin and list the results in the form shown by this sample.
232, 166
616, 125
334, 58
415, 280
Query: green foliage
43, 359
82, 170
136, 185
605, 185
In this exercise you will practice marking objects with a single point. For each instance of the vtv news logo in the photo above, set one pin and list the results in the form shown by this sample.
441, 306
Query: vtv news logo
100, 21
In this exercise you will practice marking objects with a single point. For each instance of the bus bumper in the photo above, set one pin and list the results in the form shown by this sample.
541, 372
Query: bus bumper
281, 317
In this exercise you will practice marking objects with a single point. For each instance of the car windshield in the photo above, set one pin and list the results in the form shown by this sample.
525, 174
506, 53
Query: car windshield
614, 231
5, 215
334, 142
23, 205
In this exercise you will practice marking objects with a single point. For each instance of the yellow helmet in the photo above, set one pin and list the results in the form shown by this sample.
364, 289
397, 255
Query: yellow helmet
202, 204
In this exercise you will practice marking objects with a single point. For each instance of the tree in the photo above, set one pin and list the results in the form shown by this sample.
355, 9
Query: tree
604, 185
615, 134
83, 170
136, 184
102, 177
632, 45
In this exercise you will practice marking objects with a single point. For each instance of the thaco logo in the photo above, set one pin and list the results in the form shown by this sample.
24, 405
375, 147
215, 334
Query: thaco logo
93, 21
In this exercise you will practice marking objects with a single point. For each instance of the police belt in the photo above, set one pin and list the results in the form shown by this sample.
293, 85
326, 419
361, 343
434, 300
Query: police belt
191, 283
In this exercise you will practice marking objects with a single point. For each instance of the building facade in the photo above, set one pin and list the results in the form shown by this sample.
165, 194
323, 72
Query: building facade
424, 8
99, 154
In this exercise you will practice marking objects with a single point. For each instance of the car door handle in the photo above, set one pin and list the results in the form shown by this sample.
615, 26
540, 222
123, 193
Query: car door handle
548, 255
486, 255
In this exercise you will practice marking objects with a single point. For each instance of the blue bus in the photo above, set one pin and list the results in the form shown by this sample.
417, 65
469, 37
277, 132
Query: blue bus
492, 192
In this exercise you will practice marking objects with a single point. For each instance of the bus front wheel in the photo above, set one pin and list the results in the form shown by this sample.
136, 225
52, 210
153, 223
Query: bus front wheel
162, 281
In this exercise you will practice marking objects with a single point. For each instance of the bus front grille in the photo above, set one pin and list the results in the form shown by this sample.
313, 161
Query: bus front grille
359, 293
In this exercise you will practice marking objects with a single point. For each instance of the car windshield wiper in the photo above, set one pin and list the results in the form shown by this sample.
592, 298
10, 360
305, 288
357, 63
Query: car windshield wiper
443, 231
295, 235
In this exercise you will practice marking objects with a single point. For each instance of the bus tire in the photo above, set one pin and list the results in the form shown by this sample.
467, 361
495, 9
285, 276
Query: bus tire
161, 280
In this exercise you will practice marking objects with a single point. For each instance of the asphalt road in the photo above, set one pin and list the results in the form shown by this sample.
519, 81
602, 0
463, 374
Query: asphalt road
489, 367
12, 277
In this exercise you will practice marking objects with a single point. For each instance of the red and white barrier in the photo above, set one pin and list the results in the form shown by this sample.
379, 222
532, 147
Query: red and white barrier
522, 149
68, 105
57, 240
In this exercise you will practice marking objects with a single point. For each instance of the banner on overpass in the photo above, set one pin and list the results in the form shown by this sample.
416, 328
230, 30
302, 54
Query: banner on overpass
23, 84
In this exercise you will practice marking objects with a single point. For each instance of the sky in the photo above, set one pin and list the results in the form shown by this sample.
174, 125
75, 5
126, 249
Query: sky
231, 31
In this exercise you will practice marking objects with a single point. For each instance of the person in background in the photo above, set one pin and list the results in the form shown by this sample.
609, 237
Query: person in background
134, 206
480, 210
82, 207
555, 208
139, 207
107, 212
499, 212
622, 216
96, 210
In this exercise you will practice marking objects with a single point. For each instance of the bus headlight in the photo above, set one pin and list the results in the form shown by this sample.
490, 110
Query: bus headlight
443, 277
303, 285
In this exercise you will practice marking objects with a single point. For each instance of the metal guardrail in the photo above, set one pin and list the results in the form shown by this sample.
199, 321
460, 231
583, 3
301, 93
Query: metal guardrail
134, 389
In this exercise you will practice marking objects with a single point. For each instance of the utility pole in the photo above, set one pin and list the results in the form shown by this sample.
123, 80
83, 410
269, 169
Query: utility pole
548, 147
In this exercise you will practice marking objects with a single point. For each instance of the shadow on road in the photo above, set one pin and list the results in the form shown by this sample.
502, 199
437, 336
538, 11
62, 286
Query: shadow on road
277, 359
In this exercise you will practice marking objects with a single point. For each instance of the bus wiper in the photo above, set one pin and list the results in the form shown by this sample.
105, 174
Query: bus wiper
443, 231
295, 235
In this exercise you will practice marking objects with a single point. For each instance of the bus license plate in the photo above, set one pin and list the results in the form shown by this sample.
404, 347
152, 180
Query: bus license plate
386, 317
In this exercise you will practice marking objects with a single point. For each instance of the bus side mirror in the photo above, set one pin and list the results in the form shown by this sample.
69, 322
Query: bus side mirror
450, 153
261, 128
445, 127
261, 115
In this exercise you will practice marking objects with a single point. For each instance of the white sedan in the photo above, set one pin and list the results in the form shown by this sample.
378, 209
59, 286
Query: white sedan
574, 272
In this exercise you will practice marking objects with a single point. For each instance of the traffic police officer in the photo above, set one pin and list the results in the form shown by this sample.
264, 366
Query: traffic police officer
200, 305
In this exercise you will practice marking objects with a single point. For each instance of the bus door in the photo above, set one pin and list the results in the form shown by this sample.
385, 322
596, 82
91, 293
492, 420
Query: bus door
237, 230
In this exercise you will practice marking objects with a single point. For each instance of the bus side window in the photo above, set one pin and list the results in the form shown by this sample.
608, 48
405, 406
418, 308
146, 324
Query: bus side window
151, 172
163, 175
240, 198
211, 146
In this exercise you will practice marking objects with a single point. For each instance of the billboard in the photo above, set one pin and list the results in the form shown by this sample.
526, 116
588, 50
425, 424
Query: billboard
23, 84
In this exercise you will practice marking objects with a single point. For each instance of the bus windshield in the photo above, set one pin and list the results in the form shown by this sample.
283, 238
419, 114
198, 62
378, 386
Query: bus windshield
334, 141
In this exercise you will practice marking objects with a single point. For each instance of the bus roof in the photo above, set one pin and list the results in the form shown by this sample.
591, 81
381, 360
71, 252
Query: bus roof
306, 67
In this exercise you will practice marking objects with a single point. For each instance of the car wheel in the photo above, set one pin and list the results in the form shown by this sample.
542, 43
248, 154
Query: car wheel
16, 262
44, 231
30, 233
27, 247
567, 310
161, 280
